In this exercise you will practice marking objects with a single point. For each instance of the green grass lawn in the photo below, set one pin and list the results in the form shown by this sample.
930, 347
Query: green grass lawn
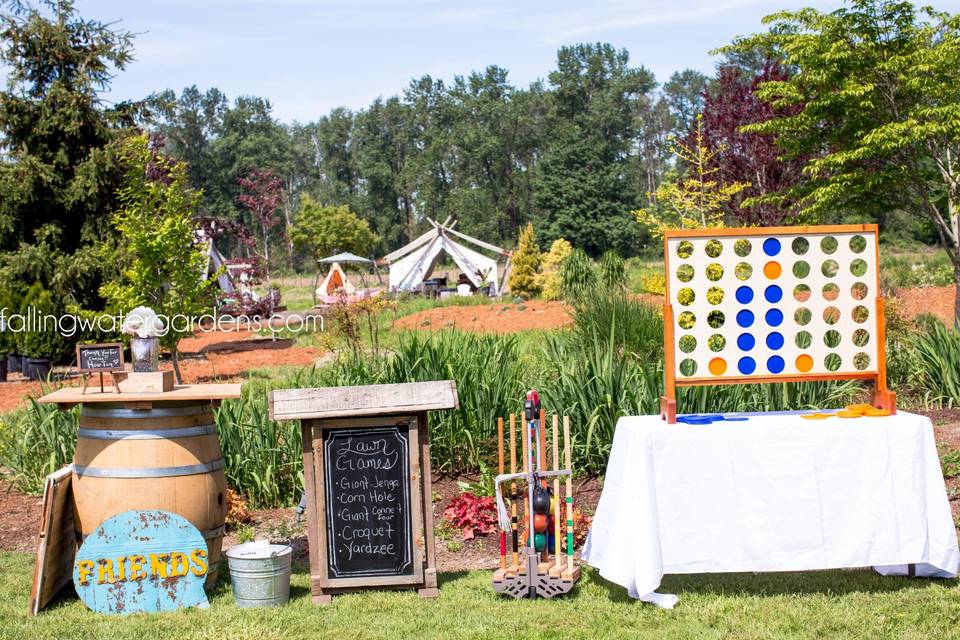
831, 604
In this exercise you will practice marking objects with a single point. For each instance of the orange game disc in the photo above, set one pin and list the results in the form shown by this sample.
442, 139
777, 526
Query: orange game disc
850, 414
876, 413
815, 416
772, 270
859, 407
717, 366
804, 363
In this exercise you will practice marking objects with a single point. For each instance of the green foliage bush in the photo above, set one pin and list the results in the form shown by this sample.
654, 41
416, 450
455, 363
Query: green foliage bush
526, 266
35, 442
613, 274
578, 276
44, 339
938, 351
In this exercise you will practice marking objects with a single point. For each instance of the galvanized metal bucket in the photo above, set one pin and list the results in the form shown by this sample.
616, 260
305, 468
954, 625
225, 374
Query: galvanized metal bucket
260, 574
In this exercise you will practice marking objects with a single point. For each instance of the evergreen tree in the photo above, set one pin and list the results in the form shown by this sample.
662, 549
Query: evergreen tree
526, 266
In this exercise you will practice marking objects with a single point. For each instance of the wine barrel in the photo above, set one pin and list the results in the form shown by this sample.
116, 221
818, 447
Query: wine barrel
166, 457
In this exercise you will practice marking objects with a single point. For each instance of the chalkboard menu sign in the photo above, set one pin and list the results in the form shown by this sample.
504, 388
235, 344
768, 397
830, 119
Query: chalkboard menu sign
100, 357
367, 496
366, 469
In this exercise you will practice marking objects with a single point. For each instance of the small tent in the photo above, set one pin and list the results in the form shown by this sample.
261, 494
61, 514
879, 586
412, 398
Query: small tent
336, 282
414, 263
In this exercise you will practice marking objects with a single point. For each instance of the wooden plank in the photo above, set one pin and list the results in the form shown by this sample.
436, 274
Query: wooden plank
367, 400
56, 544
407, 248
73, 395
770, 231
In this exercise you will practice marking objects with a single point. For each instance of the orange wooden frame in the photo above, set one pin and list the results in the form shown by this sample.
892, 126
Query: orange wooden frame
883, 397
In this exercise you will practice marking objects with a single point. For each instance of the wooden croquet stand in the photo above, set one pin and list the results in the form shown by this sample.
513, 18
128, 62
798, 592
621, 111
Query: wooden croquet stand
530, 575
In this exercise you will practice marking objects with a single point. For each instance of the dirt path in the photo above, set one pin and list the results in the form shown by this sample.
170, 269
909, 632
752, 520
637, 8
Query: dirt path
496, 318
934, 300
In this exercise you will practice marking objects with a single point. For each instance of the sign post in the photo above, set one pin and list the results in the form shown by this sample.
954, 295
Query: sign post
366, 459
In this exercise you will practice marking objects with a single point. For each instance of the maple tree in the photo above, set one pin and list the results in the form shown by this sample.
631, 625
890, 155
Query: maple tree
263, 195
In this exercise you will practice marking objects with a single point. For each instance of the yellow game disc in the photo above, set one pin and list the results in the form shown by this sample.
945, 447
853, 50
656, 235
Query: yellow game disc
850, 414
815, 416
876, 413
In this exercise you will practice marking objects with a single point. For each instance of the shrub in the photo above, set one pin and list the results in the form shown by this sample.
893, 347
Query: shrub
938, 351
472, 515
526, 266
551, 264
613, 274
35, 442
44, 339
577, 275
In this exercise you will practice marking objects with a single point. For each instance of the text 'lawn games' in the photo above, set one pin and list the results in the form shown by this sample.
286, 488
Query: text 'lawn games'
530, 572
773, 304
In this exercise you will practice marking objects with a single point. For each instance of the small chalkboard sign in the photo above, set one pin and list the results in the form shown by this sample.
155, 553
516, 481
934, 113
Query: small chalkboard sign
94, 358
367, 496
101, 359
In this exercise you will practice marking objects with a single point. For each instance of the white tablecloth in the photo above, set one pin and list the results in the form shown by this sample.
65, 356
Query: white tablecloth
773, 493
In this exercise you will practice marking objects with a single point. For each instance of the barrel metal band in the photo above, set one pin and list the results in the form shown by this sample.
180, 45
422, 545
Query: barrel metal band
117, 412
209, 534
147, 434
157, 472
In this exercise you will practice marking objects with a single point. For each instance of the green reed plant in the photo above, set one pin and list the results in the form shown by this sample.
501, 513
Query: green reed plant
35, 441
938, 352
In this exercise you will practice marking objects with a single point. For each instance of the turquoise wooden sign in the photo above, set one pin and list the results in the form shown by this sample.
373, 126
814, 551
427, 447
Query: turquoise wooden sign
142, 561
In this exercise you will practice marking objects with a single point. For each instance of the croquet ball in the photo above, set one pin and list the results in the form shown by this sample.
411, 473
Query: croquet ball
540, 541
539, 522
541, 500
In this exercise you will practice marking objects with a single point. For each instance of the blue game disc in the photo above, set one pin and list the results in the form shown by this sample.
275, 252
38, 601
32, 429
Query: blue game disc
745, 342
771, 246
747, 365
773, 293
774, 364
774, 340
774, 317
745, 318
744, 295
735, 419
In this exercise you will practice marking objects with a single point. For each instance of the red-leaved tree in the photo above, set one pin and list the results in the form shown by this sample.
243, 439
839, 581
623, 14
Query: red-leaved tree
749, 157
263, 195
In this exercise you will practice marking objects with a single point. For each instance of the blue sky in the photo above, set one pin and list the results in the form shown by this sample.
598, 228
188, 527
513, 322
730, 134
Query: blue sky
308, 56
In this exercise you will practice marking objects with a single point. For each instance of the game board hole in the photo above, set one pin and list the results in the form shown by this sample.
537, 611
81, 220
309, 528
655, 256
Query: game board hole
858, 267
715, 319
861, 361
745, 318
802, 316
803, 340
775, 364
801, 293
831, 291
830, 268
716, 342
831, 315
687, 320
774, 317
804, 363
829, 244
743, 271
773, 294
772, 270
831, 338
685, 249
687, 343
859, 290
774, 340
688, 367
714, 272
715, 295
832, 362
860, 314
747, 365
801, 269
771, 246
744, 295
800, 246
861, 337
745, 342
686, 296
685, 273
742, 247
858, 243
714, 248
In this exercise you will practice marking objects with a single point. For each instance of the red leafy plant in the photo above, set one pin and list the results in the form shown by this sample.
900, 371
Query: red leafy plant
471, 514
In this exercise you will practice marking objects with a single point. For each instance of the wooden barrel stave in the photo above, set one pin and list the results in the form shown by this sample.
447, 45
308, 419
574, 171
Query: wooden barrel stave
139, 459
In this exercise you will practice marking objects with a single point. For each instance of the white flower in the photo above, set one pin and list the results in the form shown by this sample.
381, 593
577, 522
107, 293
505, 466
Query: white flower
143, 323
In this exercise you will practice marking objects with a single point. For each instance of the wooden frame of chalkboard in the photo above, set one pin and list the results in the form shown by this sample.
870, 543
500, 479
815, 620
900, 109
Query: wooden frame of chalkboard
116, 364
366, 467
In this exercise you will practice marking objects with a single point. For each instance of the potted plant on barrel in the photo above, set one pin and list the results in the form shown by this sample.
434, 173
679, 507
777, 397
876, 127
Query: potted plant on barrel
42, 342
144, 328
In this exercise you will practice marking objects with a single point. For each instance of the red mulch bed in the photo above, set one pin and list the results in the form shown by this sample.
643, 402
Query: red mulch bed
495, 318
